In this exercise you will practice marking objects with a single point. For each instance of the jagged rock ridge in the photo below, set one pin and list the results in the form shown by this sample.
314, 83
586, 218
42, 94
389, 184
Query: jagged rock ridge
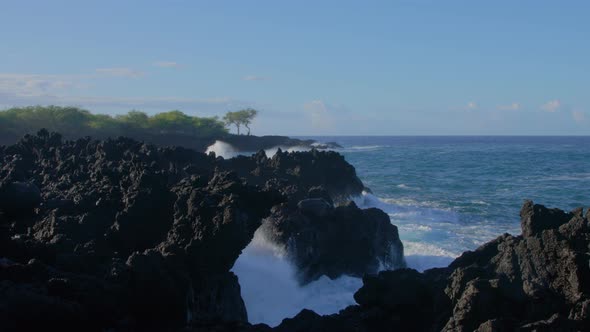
122, 235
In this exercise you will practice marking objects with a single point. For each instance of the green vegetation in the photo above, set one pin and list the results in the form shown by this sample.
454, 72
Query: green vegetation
74, 122
243, 117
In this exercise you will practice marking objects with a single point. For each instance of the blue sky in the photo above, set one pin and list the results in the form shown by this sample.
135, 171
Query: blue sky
310, 67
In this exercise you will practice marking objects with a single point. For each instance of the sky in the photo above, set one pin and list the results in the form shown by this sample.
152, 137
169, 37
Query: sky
310, 67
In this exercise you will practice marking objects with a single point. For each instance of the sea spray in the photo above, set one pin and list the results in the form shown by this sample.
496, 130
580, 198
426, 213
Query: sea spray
222, 149
269, 283
272, 292
272, 151
226, 150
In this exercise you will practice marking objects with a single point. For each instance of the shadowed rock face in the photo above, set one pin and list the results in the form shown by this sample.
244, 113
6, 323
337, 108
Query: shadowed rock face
122, 235
295, 173
119, 234
324, 240
539, 281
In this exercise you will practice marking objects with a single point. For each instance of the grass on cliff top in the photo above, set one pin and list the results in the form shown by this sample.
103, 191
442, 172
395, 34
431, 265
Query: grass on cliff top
75, 122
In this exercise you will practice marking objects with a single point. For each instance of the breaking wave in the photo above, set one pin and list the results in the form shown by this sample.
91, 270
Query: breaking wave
271, 291
223, 149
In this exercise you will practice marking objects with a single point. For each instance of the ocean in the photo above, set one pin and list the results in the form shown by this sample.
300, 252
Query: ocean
446, 195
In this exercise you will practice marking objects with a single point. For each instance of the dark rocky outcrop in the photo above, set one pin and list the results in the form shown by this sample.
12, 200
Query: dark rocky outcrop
320, 229
124, 236
539, 281
325, 240
255, 143
121, 235
196, 141
296, 173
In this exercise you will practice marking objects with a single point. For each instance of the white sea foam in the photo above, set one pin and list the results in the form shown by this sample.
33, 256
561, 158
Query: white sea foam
226, 150
405, 186
362, 148
423, 256
272, 151
405, 209
272, 293
425, 228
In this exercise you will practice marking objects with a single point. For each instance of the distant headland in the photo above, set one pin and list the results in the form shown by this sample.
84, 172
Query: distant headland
172, 128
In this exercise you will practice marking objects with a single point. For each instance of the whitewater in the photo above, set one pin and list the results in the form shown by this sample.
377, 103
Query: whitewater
446, 195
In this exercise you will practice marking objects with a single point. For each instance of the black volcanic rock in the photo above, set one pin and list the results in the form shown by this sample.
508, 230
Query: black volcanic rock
121, 235
18, 197
536, 218
315, 207
296, 173
255, 143
345, 240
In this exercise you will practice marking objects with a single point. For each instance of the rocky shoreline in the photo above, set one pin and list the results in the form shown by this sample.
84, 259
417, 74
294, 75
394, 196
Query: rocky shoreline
124, 236
240, 143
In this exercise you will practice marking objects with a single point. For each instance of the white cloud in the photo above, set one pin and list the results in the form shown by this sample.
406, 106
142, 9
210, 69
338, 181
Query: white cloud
579, 116
121, 104
160, 103
511, 107
255, 78
120, 72
32, 84
471, 106
321, 117
36, 89
551, 106
166, 64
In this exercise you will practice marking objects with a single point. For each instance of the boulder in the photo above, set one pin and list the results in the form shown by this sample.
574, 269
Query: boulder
344, 240
535, 218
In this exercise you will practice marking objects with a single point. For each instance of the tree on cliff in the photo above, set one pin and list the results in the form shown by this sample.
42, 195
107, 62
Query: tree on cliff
238, 118
75, 122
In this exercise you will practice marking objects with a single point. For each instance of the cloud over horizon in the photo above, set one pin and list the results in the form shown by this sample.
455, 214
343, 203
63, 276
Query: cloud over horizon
166, 64
471, 106
255, 78
551, 106
511, 107
579, 116
319, 115
210, 106
120, 72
